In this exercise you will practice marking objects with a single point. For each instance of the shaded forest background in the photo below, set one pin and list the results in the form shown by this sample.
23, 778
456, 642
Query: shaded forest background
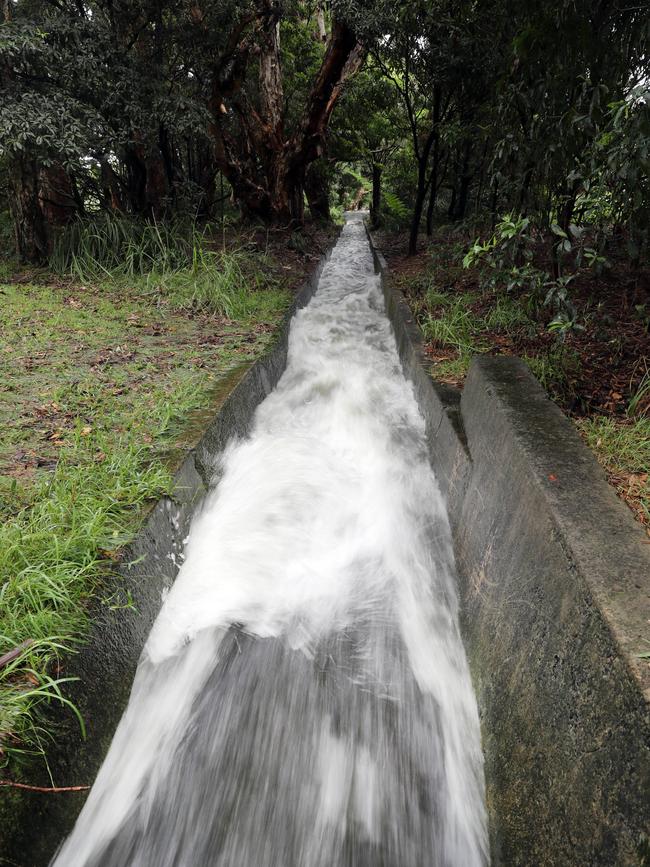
193, 111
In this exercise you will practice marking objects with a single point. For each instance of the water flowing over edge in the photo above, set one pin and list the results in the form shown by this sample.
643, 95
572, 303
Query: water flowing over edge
304, 696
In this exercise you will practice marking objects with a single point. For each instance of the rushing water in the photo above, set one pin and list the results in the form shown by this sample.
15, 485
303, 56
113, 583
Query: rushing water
304, 698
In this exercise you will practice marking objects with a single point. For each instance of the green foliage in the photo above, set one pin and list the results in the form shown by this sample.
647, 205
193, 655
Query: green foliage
396, 213
512, 241
507, 261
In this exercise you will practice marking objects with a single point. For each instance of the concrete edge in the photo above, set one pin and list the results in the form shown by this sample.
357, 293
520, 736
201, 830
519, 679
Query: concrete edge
122, 618
439, 403
607, 546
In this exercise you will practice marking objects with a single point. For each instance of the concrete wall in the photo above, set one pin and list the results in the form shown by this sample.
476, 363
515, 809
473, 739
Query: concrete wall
555, 596
32, 825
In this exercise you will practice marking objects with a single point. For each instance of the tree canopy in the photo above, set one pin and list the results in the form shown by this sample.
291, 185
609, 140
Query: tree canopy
161, 109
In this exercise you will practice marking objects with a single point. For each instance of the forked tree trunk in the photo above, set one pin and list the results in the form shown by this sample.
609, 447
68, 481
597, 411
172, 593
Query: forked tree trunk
266, 168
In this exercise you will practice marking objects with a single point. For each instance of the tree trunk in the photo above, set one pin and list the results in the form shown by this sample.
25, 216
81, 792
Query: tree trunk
433, 192
418, 206
56, 195
320, 19
494, 203
317, 190
30, 227
265, 168
111, 186
452, 203
465, 181
525, 186
375, 209
437, 109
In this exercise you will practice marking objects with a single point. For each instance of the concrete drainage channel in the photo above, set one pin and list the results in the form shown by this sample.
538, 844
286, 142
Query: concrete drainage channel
555, 599
555, 609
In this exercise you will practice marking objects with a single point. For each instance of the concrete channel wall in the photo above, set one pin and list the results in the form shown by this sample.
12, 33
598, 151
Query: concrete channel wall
32, 825
555, 610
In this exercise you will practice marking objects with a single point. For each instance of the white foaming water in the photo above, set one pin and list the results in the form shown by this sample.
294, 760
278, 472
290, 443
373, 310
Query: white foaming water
304, 696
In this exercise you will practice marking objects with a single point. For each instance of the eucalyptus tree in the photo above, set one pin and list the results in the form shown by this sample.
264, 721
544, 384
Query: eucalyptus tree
262, 144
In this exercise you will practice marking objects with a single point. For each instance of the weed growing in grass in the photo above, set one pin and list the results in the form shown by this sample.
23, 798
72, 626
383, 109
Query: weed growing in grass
456, 326
230, 284
451, 370
619, 442
640, 400
509, 315
553, 369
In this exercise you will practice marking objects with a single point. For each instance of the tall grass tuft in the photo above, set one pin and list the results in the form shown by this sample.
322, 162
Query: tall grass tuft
173, 261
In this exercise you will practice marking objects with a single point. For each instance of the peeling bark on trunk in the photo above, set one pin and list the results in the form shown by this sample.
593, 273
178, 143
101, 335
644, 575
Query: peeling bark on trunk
320, 20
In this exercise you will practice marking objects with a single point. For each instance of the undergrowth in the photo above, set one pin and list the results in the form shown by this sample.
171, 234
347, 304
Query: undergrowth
622, 446
174, 262
461, 317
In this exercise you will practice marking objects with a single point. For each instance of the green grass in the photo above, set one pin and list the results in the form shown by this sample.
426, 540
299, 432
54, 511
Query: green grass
223, 283
622, 446
176, 263
453, 324
52, 554
509, 315
105, 383
554, 368
453, 369
620, 443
